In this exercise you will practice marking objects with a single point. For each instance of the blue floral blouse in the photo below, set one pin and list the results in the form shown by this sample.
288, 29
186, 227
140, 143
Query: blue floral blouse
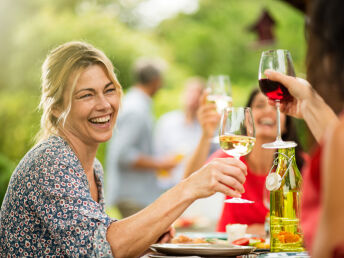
48, 209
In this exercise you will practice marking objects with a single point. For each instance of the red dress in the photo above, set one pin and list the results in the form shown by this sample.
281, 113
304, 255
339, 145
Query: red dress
244, 213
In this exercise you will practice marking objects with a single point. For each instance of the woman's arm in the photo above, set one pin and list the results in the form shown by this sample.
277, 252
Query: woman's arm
330, 233
130, 237
209, 120
306, 104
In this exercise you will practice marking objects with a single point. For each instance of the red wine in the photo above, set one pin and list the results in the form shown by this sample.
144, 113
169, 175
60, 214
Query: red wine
274, 90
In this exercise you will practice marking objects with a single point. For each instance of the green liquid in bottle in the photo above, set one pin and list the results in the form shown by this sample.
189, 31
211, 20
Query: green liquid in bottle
286, 235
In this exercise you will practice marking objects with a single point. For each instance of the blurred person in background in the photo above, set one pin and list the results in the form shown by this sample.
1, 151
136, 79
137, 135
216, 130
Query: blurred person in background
259, 161
177, 133
322, 209
131, 182
54, 204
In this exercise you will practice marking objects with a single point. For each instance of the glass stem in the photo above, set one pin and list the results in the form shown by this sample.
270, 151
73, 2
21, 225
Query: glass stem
278, 138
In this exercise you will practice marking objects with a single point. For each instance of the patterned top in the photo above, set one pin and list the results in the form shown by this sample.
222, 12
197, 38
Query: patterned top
48, 208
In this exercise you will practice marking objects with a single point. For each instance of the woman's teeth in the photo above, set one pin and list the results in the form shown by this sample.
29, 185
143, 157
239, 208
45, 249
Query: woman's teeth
98, 120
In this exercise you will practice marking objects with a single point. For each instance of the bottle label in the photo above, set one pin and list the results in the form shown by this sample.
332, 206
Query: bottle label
273, 182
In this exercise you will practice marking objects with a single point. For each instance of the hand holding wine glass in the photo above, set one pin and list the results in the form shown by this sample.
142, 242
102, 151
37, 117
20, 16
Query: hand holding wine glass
278, 60
207, 116
237, 135
306, 104
299, 88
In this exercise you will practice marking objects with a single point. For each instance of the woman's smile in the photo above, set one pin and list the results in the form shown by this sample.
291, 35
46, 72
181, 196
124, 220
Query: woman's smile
101, 122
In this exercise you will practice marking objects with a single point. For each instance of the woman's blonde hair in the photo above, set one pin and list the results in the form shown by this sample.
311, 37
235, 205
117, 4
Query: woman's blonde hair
69, 59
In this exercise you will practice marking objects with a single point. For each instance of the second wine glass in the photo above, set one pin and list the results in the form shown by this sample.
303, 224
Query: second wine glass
280, 61
237, 135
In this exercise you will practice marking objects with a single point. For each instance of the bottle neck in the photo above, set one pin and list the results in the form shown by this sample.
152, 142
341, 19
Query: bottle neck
287, 164
289, 152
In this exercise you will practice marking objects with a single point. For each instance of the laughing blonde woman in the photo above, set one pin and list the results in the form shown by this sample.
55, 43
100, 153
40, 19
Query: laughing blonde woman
54, 203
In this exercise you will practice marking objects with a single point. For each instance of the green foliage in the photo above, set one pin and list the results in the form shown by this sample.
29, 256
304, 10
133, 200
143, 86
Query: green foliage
19, 121
216, 39
6, 168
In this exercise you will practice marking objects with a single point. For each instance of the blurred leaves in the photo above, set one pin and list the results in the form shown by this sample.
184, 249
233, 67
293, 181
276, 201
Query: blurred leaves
216, 38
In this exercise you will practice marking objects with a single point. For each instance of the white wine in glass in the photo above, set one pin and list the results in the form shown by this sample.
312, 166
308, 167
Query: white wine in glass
237, 145
237, 136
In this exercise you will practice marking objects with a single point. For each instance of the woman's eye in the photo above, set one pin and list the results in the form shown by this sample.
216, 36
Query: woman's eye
85, 96
110, 90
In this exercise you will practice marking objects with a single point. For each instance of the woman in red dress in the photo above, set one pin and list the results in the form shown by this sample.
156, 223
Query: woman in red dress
258, 162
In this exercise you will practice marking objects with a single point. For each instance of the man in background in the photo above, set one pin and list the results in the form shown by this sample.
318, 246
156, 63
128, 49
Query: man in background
131, 167
177, 133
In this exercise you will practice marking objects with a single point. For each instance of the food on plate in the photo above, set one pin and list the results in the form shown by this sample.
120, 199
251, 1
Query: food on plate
241, 241
182, 239
252, 241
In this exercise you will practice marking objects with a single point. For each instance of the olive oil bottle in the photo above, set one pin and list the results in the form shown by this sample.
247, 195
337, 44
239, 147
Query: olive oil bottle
286, 235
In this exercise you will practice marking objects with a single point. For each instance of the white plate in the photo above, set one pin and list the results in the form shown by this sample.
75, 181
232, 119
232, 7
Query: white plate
202, 249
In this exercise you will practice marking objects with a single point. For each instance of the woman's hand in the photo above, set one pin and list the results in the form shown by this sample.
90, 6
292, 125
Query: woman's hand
307, 104
207, 116
225, 175
299, 88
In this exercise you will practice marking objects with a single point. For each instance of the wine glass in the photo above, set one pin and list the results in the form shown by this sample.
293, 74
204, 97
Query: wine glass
280, 61
219, 93
237, 135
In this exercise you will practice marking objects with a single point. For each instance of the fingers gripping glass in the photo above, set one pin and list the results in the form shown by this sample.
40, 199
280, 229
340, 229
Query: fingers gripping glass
237, 135
280, 61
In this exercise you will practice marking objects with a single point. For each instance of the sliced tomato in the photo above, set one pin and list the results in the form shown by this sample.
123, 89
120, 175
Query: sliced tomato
241, 241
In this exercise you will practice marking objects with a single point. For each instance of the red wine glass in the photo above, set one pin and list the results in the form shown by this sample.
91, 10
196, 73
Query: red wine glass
280, 61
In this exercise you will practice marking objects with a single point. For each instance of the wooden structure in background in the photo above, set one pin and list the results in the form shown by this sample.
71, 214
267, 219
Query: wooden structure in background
264, 28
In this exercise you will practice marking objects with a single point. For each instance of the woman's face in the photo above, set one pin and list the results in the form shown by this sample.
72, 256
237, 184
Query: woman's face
94, 108
265, 118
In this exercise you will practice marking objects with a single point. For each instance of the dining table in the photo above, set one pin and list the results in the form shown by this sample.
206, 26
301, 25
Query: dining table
220, 249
